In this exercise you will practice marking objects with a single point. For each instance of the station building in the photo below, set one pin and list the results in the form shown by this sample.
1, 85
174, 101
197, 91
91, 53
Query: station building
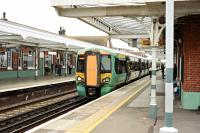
187, 59
21, 61
29, 52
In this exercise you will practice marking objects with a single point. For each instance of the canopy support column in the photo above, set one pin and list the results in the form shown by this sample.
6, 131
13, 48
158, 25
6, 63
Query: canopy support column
66, 63
168, 128
155, 32
36, 62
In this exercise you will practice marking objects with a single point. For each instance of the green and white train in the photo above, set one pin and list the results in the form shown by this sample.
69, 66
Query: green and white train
100, 70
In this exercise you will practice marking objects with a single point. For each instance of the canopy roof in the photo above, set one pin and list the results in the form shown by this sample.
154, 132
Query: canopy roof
124, 19
14, 35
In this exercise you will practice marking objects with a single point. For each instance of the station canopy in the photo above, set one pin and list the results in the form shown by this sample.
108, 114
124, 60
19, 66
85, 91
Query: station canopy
15, 35
122, 19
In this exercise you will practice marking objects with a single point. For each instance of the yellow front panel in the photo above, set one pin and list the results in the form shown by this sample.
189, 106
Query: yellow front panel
91, 71
79, 74
104, 75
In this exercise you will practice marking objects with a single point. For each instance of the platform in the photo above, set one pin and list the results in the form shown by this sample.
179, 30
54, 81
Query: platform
23, 83
122, 111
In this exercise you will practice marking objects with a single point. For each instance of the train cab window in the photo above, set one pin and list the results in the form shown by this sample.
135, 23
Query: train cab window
105, 63
81, 63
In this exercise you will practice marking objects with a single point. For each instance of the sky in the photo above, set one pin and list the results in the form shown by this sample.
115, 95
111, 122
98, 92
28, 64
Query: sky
40, 14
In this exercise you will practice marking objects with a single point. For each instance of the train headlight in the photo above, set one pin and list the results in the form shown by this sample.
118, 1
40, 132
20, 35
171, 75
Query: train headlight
79, 78
107, 79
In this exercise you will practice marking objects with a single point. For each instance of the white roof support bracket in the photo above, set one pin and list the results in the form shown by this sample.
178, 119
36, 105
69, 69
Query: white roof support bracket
155, 31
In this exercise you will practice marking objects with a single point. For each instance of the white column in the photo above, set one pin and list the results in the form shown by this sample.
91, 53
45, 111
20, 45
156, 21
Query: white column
36, 63
168, 128
109, 43
66, 64
153, 105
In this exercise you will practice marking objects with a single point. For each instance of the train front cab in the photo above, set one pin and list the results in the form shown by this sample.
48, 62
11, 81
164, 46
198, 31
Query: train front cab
93, 75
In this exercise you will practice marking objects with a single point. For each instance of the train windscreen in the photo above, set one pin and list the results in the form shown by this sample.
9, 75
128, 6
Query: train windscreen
81, 63
105, 63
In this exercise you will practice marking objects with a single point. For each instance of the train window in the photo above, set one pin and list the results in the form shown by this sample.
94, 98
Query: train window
143, 65
139, 66
133, 66
123, 66
136, 66
120, 66
81, 63
105, 63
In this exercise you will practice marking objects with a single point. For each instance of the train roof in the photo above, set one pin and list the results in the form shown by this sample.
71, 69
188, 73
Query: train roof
99, 48
127, 54
95, 48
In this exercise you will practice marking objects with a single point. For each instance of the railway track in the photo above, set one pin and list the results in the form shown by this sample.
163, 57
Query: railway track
24, 109
32, 115
14, 98
26, 115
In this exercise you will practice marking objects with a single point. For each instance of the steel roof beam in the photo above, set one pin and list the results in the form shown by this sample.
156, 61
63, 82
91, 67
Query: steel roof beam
146, 10
101, 25
10, 37
90, 2
129, 36
19, 43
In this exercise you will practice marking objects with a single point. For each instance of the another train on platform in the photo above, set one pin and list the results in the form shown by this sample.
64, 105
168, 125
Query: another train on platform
100, 70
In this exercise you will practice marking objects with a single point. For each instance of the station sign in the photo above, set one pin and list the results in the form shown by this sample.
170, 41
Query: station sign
2, 49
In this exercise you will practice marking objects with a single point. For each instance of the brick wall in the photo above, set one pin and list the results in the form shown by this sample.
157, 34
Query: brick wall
191, 53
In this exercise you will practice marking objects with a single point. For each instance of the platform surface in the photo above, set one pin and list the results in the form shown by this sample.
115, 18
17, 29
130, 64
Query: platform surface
123, 111
23, 83
133, 117
87, 117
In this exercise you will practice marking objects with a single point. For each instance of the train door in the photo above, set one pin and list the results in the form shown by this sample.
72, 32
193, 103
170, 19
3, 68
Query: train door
128, 69
92, 69
140, 67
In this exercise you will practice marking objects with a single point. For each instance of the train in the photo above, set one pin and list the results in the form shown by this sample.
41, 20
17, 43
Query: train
100, 70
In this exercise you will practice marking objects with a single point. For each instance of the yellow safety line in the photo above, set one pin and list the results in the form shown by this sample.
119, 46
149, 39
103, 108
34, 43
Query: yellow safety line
113, 110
